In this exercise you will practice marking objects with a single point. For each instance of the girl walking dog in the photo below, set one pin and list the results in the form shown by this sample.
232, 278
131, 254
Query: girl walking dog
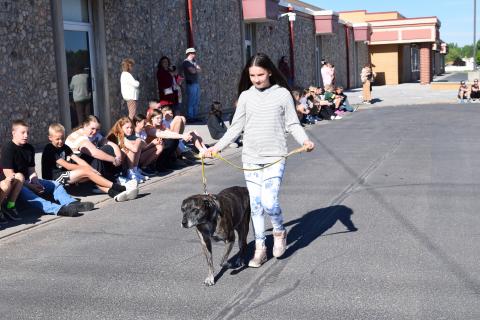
265, 111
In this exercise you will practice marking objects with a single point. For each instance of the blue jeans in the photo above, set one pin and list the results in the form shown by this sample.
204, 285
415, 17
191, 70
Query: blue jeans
346, 106
193, 92
263, 188
51, 187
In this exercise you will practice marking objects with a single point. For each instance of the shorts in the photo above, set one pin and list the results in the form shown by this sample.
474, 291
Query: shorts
62, 177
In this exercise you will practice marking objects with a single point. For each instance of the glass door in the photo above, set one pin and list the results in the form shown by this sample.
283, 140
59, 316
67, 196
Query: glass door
80, 58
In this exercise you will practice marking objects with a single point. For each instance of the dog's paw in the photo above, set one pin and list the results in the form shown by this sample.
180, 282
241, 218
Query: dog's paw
209, 281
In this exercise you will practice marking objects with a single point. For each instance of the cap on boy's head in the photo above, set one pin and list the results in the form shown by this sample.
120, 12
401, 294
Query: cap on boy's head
462, 82
18, 123
190, 50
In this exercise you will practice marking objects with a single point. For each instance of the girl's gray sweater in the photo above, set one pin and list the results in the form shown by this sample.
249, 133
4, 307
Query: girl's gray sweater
265, 117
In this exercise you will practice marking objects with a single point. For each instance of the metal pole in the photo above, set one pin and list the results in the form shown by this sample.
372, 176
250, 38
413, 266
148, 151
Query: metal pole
474, 35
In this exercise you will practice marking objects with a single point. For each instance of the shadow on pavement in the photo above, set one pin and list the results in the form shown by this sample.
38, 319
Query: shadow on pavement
29, 216
304, 231
315, 223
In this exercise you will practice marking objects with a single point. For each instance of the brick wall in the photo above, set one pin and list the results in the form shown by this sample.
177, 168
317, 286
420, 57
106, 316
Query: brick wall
28, 82
334, 51
304, 31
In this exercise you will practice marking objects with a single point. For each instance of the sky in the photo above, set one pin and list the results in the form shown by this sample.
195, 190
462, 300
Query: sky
456, 16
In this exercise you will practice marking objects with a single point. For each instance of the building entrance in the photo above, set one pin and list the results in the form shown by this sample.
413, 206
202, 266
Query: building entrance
80, 59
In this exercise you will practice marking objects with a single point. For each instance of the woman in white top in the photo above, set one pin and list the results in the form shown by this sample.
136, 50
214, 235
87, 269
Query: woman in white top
129, 87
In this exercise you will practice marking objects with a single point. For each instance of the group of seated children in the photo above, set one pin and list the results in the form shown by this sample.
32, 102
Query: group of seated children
466, 94
19, 181
316, 104
131, 152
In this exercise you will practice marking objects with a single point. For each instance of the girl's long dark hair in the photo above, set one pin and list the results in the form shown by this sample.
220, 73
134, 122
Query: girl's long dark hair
263, 61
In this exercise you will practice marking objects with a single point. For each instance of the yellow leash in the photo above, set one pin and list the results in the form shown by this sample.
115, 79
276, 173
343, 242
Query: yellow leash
218, 156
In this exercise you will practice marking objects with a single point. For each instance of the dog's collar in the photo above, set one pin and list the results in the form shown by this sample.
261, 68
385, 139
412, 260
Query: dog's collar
214, 200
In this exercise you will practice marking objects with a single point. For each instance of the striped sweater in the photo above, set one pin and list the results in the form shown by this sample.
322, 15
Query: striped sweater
265, 117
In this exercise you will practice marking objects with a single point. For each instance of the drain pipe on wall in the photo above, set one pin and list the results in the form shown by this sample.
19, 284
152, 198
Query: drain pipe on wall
291, 19
347, 50
189, 15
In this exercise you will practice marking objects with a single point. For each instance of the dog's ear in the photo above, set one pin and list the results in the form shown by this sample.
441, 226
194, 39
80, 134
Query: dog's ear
212, 205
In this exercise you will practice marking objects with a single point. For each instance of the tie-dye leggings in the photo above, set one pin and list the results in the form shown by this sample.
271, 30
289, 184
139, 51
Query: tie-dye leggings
263, 187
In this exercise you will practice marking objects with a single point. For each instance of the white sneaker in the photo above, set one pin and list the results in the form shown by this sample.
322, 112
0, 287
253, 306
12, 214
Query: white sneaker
122, 196
132, 189
332, 117
233, 145
338, 117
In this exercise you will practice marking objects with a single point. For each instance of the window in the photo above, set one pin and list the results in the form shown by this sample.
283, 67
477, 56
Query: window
415, 58
75, 10
249, 40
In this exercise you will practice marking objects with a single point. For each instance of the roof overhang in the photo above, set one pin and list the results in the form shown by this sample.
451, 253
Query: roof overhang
260, 10
414, 30
326, 21
362, 31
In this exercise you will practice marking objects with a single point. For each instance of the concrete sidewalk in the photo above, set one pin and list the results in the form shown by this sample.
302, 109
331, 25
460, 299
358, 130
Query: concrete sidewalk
403, 94
393, 95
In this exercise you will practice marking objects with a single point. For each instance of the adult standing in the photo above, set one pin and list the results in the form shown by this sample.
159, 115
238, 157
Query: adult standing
367, 76
81, 94
191, 70
286, 71
129, 87
265, 111
327, 74
167, 86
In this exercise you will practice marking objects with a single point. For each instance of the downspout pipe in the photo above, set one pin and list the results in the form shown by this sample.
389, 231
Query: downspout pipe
347, 51
189, 14
292, 45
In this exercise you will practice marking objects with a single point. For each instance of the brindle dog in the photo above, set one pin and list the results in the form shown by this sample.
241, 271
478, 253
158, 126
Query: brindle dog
216, 217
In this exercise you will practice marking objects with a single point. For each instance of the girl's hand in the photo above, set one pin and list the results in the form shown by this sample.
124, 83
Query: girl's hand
308, 145
210, 152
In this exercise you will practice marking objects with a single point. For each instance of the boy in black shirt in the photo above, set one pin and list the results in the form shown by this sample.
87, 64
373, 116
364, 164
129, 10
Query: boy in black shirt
18, 157
60, 164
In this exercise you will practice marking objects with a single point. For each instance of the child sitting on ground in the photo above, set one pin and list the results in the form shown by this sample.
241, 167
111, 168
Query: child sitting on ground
10, 188
341, 101
475, 91
330, 98
153, 105
463, 93
123, 135
177, 124
306, 101
151, 151
60, 164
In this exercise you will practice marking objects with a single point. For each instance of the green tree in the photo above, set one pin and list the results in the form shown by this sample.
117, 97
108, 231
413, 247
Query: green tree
454, 53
